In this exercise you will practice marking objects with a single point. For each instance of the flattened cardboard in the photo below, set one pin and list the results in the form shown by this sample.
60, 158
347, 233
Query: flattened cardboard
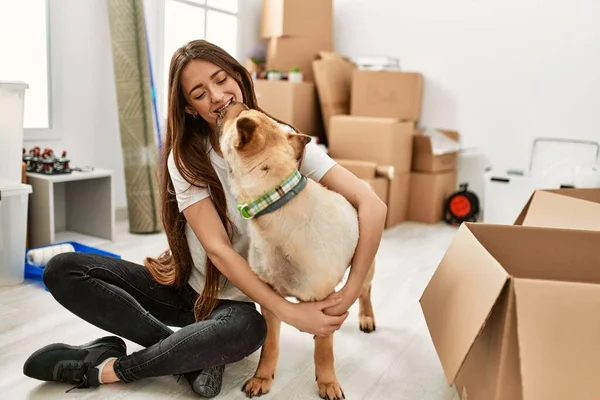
387, 94
563, 208
428, 194
453, 317
296, 18
423, 158
292, 103
546, 330
287, 52
385, 141
333, 78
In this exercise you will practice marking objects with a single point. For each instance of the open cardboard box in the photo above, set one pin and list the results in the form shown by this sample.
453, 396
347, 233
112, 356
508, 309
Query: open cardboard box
424, 158
513, 312
392, 188
562, 208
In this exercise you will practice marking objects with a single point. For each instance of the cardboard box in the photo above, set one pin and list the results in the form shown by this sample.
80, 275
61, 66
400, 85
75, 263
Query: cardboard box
384, 141
427, 195
333, 79
296, 18
512, 312
366, 169
397, 186
424, 157
562, 208
379, 186
293, 103
387, 94
398, 197
285, 53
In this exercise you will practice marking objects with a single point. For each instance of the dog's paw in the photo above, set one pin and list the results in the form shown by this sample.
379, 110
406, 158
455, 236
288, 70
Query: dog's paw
331, 391
366, 324
256, 386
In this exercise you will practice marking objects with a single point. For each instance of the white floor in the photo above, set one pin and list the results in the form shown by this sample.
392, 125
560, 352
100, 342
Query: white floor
397, 361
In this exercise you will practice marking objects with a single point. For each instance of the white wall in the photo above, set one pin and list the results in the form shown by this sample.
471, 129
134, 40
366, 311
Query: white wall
84, 97
501, 71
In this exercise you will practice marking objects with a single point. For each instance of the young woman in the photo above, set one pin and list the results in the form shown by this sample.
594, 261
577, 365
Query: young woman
203, 283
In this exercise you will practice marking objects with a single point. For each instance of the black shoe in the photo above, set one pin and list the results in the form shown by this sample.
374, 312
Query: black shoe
207, 382
60, 362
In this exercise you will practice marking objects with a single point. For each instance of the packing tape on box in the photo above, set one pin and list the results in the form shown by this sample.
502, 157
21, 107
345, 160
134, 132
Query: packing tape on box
40, 257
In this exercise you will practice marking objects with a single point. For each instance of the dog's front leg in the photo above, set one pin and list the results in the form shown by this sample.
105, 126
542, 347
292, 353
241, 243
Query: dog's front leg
329, 387
262, 380
366, 317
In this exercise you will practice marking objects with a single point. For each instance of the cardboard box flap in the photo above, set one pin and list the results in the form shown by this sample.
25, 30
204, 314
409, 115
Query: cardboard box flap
563, 210
422, 144
542, 253
558, 339
459, 298
523, 213
440, 141
591, 195
333, 78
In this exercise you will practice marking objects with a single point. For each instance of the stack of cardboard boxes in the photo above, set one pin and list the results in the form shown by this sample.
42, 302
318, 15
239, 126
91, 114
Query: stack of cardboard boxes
384, 108
433, 177
295, 31
372, 116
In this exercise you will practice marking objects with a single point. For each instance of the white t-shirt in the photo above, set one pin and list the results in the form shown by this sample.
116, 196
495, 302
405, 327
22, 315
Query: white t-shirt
314, 165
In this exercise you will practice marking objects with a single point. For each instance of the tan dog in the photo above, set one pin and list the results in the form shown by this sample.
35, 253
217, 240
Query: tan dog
303, 248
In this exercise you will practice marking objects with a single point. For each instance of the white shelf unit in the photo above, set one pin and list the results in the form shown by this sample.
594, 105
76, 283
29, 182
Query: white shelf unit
71, 207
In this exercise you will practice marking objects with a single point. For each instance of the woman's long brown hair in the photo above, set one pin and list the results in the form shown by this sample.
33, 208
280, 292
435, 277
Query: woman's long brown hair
187, 138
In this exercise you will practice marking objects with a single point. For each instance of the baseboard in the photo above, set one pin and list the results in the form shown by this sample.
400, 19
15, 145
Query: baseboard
121, 214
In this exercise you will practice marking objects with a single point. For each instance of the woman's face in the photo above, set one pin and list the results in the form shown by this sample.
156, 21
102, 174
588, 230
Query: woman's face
208, 89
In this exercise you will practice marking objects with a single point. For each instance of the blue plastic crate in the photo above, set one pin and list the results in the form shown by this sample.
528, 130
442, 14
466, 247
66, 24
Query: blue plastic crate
35, 273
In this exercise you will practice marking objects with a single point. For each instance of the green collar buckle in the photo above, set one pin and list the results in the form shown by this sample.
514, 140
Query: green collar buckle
243, 209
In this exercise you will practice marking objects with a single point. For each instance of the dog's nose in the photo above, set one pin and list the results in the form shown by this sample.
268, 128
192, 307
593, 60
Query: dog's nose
233, 111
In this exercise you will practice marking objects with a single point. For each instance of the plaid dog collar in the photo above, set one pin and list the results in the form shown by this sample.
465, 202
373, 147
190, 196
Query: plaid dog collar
275, 198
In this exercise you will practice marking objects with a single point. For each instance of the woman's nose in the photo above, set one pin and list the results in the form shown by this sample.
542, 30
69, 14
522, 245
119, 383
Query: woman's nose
217, 97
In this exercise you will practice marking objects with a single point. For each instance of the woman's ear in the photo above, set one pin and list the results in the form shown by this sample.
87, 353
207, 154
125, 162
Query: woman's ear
298, 142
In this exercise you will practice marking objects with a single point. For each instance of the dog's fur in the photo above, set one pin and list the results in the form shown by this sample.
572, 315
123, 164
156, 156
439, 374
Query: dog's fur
304, 248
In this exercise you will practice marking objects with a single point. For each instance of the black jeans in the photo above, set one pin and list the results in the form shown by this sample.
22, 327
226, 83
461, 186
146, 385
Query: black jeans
121, 297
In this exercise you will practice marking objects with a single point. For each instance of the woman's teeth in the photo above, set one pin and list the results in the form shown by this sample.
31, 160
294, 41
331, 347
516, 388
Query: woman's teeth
221, 109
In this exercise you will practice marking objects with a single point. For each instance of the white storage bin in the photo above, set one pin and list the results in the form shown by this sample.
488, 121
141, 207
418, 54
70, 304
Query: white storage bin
14, 198
471, 169
12, 105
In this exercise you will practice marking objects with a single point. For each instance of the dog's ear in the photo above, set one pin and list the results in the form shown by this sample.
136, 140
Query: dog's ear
298, 142
246, 128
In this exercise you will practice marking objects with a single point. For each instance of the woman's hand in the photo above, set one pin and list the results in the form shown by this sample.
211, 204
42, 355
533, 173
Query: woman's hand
309, 317
348, 296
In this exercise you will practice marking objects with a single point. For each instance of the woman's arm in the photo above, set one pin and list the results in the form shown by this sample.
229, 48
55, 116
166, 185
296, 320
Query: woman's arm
372, 213
308, 317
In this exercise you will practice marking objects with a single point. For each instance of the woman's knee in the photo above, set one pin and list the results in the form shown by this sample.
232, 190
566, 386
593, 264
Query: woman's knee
60, 268
248, 329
